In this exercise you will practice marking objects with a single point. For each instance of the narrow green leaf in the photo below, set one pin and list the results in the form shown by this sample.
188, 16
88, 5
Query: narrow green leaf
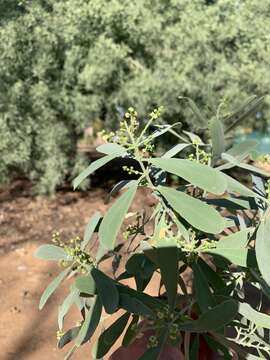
194, 211
69, 336
203, 294
85, 284
90, 228
213, 319
217, 137
150, 301
262, 248
51, 252
130, 332
233, 247
139, 264
110, 335
92, 168
261, 320
107, 291
174, 150
200, 175
112, 221
64, 308
90, 323
111, 149
234, 186
212, 276
52, 287
168, 263
135, 306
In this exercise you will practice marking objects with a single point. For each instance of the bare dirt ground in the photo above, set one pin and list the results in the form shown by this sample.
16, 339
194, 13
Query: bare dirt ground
25, 223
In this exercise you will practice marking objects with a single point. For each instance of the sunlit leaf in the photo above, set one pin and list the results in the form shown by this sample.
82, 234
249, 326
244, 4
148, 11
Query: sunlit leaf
107, 290
242, 149
92, 168
90, 323
111, 149
261, 320
64, 308
194, 211
90, 228
69, 336
262, 248
85, 284
174, 150
52, 287
113, 219
197, 174
51, 252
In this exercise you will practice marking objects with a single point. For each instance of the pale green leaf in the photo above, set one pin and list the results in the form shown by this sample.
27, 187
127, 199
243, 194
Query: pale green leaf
52, 287
113, 219
51, 252
111, 149
64, 308
92, 168
197, 174
194, 211
261, 320
262, 248
217, 137
89, 229
85, 284
174, 150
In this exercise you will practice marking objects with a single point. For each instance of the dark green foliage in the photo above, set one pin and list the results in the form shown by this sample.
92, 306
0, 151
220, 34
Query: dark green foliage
65, 64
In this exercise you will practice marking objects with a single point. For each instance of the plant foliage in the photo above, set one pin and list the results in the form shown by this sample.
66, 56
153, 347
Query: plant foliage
211, 227
69, 64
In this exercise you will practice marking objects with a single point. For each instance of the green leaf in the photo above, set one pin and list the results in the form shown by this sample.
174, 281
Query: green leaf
85, 284
217, 137
110, 335
130, 332
150, 301
261, 320
174, 150
51, 252
64, 308
135, 306
203, 294
236, 187
107, 291
213, 319
111, 149
167, 253
91, 168
52, 287
262, 248
139, 264
212, 276
233, 247
112, 221
194, 211
69, 336
90, 228
200, 175
90, 323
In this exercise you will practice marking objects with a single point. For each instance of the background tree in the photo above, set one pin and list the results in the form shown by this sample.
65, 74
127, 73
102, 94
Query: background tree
65, 64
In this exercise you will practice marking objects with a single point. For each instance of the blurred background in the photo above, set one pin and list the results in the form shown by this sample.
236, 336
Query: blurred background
71, 68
